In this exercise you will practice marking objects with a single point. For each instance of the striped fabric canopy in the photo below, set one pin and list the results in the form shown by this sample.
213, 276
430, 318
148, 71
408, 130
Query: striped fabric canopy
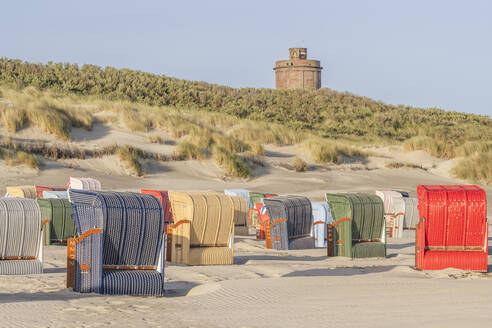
84, 183
20, 236
132, 228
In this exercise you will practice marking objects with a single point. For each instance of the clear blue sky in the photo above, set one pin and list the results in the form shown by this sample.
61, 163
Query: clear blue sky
420, 52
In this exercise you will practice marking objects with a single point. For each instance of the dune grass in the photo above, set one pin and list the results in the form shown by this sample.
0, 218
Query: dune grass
15, 157
477, 168
131, 156
232, 164
300, 165
52, 115
327, 151
326, 123
156, 139
189, 150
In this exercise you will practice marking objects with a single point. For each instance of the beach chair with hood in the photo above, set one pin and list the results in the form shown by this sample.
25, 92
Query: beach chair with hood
358, 228
453, 230
291, 223
203, 228
21, 231
119, 248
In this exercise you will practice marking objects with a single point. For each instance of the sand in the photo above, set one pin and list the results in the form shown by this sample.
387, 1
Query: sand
264, 288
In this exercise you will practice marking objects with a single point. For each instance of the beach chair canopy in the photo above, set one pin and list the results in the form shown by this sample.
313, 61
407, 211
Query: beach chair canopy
409, 207
22, 191
359, 225
321, 217
257, 197
241, 193
84, 183
20, 236
61, 225
453, 229
163, 197
291, 222
203, 227
387, 198
120, 245
240, 215
32, 192
55, 194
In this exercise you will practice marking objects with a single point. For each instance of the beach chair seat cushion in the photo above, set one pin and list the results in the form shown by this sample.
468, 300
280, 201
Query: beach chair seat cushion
368, 249
241, 230
211, 256
438, 260
132, 282
301, 243
20, 267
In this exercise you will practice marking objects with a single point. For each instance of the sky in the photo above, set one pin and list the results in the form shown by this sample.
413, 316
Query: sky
426, 53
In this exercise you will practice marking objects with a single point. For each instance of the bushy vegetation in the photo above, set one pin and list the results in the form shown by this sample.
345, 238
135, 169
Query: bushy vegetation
238, 120
232, 163
300, 165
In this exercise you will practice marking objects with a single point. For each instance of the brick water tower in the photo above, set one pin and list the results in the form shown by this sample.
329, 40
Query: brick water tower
298, 72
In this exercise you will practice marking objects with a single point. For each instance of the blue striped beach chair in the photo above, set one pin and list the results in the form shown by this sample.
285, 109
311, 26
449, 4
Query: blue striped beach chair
119, 248
21, 246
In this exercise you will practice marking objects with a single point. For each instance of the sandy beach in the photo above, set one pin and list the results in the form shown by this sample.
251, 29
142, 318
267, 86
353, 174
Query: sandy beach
264, 288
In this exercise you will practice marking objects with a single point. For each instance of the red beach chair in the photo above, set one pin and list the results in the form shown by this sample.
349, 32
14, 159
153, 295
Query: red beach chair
452, 231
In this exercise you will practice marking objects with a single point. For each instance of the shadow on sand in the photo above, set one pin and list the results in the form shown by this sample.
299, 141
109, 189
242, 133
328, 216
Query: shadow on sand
61, 295
245, 259
347, 271
399, 246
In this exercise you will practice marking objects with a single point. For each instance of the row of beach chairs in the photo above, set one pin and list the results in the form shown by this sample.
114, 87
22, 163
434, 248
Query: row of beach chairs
118, 242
